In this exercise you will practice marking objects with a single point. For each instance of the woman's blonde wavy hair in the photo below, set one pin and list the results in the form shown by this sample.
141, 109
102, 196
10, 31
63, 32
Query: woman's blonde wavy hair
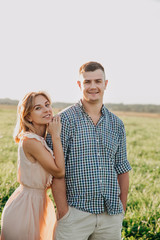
24, 108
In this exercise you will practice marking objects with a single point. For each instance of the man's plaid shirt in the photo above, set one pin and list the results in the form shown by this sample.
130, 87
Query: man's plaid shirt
94, 156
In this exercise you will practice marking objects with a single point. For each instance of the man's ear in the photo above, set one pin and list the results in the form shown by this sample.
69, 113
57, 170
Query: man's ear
106, 83
79, 84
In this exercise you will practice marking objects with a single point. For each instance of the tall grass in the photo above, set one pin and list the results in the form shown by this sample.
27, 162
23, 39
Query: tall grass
142, 219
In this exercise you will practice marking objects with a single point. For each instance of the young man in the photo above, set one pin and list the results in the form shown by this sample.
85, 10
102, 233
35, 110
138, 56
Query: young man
97, 178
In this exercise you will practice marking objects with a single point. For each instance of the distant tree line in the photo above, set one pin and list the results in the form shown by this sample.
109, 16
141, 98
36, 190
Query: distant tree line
8, 101
150, 108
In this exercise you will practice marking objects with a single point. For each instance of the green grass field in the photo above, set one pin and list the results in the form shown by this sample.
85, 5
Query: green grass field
142, 219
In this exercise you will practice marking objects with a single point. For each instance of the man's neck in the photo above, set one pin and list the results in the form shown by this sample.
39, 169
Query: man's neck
93, 109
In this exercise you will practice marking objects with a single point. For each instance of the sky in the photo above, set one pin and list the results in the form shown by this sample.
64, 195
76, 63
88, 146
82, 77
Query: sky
44, 43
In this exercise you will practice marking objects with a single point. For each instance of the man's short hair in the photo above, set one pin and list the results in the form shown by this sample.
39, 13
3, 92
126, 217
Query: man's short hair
90, 67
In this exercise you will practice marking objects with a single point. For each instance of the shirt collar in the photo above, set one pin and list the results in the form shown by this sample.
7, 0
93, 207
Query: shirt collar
83, 110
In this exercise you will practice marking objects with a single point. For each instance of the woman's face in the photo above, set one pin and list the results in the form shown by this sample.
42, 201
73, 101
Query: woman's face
42, 111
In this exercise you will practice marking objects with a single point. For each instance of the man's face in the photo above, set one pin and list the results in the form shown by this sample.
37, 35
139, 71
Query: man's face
93, 85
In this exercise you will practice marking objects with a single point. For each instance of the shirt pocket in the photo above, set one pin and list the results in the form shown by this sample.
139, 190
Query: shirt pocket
110, 147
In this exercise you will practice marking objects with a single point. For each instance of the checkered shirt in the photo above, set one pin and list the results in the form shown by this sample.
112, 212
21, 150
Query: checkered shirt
94, 156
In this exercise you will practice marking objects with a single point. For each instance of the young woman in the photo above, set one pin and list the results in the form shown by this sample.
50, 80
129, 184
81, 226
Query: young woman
29, 213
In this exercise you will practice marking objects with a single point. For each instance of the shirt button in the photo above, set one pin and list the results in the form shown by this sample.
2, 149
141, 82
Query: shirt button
100, 168
98, 154
100, 181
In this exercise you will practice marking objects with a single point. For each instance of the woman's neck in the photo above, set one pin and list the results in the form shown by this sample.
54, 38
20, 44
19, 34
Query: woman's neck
40, 130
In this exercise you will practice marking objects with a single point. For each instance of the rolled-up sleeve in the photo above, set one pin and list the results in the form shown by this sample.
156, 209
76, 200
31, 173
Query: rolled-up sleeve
122, 165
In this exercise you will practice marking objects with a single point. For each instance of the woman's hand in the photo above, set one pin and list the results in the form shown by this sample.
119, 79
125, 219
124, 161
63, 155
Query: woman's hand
54, 127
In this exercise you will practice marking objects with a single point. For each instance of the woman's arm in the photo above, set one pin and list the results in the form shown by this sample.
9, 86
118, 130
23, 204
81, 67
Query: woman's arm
35, 150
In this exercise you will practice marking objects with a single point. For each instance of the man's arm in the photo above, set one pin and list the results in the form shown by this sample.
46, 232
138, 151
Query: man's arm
59, 194
59, 185
123, 180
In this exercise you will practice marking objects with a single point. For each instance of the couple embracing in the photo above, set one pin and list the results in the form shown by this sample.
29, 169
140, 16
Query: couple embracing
81, 154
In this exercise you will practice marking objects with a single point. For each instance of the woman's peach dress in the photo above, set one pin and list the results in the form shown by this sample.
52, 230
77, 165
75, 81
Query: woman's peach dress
29, 213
